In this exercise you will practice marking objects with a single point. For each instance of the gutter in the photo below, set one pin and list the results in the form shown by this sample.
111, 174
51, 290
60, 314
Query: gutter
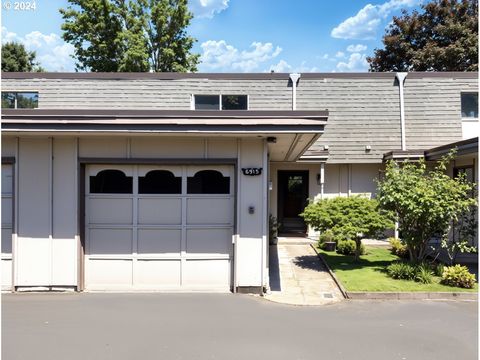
401, 79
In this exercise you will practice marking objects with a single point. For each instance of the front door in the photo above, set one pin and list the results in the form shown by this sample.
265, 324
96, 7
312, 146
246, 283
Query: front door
292, 199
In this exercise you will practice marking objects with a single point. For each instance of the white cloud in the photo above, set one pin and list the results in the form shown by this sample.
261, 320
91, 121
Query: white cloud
364, 24
207, 8
340, 54
52, 52
281, 67
357, 62
356, 48
218, 55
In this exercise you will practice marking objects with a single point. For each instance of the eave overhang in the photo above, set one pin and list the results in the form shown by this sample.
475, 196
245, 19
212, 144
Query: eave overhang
403, 155
182, 121
463, 147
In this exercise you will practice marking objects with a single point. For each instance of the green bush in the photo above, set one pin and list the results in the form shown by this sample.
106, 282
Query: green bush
402, 270
458, 276
347, 247
424, 274
438, 269
326, 236
398, 248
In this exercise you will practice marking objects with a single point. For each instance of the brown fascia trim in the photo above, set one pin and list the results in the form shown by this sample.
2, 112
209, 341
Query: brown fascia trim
228, 76
81, 114
404, 155
464, 147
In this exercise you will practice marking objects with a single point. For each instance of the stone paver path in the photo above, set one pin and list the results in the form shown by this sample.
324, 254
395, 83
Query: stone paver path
298, 277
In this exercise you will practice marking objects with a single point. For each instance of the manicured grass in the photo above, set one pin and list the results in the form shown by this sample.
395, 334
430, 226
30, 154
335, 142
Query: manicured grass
369, 274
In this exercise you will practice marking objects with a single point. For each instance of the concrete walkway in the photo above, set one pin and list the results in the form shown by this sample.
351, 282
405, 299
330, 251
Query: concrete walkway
297, 276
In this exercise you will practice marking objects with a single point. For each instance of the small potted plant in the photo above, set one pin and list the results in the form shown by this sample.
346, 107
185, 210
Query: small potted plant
273, 230
327, 241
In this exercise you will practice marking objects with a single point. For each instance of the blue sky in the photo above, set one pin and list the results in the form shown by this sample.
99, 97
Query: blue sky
242, 35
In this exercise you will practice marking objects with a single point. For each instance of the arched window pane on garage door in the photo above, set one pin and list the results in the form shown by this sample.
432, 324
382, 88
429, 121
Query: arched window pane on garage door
111, 182
208, 182
159, 182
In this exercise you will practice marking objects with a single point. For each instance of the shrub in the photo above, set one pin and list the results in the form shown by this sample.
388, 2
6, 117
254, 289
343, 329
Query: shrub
458, 276
398, 248
348, 247
438, 269
424, 274
353, 217
326, 236
401, 270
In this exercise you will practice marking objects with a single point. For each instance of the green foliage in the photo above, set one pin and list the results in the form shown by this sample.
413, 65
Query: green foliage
458, 276
325, 236
15, 58
443, 36
402, 270
130, 35
272, 228
424, 274
346, 247
438, 269
352, 218
405, 271
349, 247
398, 248
426, 202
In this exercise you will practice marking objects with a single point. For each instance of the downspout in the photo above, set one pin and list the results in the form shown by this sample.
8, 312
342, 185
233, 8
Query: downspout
401, 79
294, 77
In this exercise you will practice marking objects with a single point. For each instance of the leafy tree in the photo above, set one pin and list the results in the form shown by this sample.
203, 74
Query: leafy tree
130, 35
15, 58
352, 218
442, 37
426, 202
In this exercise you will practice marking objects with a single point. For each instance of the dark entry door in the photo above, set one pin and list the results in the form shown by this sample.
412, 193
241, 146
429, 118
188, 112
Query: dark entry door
292, 199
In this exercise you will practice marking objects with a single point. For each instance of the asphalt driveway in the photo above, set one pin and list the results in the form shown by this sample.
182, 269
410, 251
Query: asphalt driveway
228, 326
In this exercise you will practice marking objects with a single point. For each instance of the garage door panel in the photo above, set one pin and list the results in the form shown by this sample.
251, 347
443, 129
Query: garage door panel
110, 211
155, 273
161, 211
6, 241
209, 241
220, 211
7, 210
109, 273
161, 236
110, 241
207, 273
159, 241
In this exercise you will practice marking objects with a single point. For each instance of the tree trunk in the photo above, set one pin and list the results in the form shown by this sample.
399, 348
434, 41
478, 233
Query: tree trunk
358, 249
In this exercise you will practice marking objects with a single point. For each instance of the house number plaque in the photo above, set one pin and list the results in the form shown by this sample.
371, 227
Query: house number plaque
252, 171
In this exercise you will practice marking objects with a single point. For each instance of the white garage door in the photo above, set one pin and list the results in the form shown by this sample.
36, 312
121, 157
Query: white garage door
7, 226
159, 227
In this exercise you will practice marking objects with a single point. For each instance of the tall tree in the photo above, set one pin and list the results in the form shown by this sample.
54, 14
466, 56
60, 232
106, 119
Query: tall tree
130, 35
442, 37
426, 201
15, 58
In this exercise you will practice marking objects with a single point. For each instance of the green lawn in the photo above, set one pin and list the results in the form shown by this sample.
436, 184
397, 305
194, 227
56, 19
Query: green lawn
369, 273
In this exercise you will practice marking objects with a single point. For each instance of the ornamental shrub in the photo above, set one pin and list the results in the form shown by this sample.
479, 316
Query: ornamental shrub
458, 276
438, 269
353, 218
424, 274
398, 248
402, 270
348, 247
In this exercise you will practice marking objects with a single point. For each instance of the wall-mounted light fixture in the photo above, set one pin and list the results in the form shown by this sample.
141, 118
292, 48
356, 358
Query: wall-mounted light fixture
325, 147
368, 147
